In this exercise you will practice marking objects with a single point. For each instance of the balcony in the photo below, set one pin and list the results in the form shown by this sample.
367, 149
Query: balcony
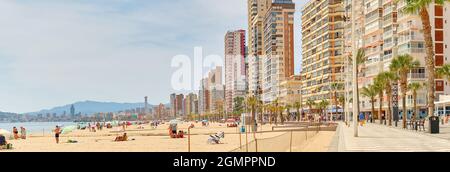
417, 76
388, 10
388, 34
387, 57
404, 39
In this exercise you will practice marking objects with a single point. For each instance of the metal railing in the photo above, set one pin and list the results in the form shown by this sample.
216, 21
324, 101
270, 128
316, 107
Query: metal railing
289, 141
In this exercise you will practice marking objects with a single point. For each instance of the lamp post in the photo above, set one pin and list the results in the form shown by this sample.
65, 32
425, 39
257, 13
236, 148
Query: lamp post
355, 103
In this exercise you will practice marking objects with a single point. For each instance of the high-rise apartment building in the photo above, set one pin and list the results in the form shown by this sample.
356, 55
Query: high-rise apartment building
257, 10
189, 104
235, 74
216, 90
323, 47
386, 31
278, 47
173, 102
179, 105
212, 92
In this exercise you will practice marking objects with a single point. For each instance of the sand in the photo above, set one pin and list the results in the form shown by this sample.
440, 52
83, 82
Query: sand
319, 143
143, 140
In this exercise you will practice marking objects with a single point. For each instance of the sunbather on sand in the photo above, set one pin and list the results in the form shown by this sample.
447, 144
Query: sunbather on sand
121, 138
2, 142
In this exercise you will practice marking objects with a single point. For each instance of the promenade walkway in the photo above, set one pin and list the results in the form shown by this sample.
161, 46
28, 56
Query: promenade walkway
380, 138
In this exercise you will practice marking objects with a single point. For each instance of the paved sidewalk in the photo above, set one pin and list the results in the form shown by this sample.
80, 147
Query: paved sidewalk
378, 138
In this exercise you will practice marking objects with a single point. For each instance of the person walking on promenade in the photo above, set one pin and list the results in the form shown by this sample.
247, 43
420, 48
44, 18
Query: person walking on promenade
361, 119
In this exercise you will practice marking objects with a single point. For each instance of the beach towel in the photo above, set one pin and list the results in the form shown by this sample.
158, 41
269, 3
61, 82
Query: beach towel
72, 141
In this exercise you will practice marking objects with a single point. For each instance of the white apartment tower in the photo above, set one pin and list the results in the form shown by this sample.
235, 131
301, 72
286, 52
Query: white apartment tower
235, 74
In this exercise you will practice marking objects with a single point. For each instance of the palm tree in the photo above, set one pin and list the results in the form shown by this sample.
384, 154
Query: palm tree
335, 87
444, 71
260, 107
360, 59
288, 110
273, 112
378, 85
297, 106
402, 65
370, 92
388, 79
277, 108
421, 7
322, 106
310, 103
252, 102
414, 87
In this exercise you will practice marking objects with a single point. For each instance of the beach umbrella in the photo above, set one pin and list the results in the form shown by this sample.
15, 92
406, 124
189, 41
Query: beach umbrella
115, 123
68, 129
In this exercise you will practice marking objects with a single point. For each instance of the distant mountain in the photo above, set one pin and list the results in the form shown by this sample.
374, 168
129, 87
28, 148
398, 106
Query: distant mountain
6, 113
91, 107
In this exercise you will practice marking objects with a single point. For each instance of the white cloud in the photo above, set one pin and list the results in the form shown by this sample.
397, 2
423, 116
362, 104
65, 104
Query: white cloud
54, 52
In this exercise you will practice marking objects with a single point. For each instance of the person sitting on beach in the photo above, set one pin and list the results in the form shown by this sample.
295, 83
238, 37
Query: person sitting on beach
23, 133
3, 142
121, 138
180, 134
16, 133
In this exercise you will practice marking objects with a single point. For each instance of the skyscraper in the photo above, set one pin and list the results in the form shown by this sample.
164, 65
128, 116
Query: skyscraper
235, 74
278, 47
189, 104
216, 90
146, 110
72, 111
173, 98
323, 47
179, 105
257, 10
386, 31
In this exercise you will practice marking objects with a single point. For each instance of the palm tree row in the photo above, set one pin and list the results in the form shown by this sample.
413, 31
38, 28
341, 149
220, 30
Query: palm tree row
399, 69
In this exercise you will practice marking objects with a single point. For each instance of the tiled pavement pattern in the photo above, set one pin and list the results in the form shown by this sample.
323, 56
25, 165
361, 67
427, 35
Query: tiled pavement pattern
379, 138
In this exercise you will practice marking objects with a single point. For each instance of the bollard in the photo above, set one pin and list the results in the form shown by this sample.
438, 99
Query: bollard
189, 139
290, 144
256, 145
306, 133
240, 141
246, 139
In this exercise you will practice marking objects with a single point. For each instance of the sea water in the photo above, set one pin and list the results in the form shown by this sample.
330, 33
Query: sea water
35, 127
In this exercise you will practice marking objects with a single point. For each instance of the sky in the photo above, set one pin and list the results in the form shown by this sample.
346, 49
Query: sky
57, 52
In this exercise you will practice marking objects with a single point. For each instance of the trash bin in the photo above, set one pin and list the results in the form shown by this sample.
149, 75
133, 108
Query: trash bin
434, 125
243, 129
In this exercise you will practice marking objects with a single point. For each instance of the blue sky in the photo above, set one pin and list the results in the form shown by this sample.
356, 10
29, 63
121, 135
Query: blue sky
56, 52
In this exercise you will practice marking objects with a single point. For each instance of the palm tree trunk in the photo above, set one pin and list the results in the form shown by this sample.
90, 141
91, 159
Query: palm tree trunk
404, 114
415, 105
335, 101
380, 108
389, 113
373, 107
430, 63
253, 119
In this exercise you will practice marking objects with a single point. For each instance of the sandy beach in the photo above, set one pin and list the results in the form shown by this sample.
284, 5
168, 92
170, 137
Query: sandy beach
152, 140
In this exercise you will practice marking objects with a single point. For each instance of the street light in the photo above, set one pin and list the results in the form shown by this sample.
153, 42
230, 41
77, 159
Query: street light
355, 103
